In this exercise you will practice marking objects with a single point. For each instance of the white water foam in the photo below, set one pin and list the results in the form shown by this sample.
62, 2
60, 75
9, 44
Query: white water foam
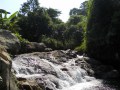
75, 78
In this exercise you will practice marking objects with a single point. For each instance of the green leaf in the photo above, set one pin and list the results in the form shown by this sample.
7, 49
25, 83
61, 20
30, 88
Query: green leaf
13, 15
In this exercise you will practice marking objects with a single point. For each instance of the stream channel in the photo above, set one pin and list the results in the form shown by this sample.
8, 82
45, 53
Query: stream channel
59, 70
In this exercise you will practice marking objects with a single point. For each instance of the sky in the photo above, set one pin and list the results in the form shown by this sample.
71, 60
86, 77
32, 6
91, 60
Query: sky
62, 5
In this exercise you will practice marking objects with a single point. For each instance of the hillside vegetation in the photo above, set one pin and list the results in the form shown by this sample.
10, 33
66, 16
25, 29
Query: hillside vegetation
93, 28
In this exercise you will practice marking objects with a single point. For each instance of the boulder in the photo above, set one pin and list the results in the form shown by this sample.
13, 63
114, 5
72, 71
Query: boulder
97, 69
5, 61
9, 41
6, 81
113, 74
33, 47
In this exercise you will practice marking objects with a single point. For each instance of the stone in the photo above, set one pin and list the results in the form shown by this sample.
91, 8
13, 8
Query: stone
5, 64
48, 49
4, 54
9, 41
33, 47
56, 69
70, 53
111, 74
1, 80
8, 82
29, 85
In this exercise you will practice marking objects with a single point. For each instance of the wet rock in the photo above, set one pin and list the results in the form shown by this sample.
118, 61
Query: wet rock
1, 79
48, 49
41, 64
58, 53
55, 70
60, 56
64, 69
113, 74
85, 65
34, 64
96, 68
71, 53
1, 82
29, 85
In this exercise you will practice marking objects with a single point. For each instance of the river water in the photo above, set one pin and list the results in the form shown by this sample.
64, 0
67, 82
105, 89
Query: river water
55, 74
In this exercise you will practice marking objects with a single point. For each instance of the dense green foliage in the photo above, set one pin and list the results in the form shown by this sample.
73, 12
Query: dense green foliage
54, 13
80, 11
35, 25
92, 28
40, 24
34, 21
8, 23
103, 32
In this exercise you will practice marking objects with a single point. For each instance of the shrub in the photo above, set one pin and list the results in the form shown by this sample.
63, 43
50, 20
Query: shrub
52, 43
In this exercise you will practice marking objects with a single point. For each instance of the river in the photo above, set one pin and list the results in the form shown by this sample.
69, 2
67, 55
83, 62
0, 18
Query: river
57, 70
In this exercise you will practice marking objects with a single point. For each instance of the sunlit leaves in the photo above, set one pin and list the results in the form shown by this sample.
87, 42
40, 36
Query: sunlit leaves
8, 23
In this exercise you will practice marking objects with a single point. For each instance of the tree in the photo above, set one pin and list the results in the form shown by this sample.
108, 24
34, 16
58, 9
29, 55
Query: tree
59, 31
77, 25
74, 19
34, 21
103, 32
8, 23
36, 24
84, 8
54, 13
80, 11
29, 6
74, 11
73, 36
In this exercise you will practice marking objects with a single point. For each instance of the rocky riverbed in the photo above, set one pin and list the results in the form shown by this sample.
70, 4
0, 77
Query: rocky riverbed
61, 70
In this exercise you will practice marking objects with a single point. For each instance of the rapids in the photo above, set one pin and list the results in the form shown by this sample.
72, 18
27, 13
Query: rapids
55, 70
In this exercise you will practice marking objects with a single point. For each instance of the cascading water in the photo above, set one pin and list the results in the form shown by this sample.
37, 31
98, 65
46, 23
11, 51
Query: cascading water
55, 74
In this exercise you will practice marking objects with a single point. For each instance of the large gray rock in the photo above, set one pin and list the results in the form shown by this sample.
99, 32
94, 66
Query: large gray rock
97, 69
9, 41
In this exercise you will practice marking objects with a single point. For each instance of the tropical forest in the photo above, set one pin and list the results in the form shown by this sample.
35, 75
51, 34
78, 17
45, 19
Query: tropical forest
39, 51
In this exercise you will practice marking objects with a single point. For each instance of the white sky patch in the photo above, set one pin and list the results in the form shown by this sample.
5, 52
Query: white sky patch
11, 5
62, 5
